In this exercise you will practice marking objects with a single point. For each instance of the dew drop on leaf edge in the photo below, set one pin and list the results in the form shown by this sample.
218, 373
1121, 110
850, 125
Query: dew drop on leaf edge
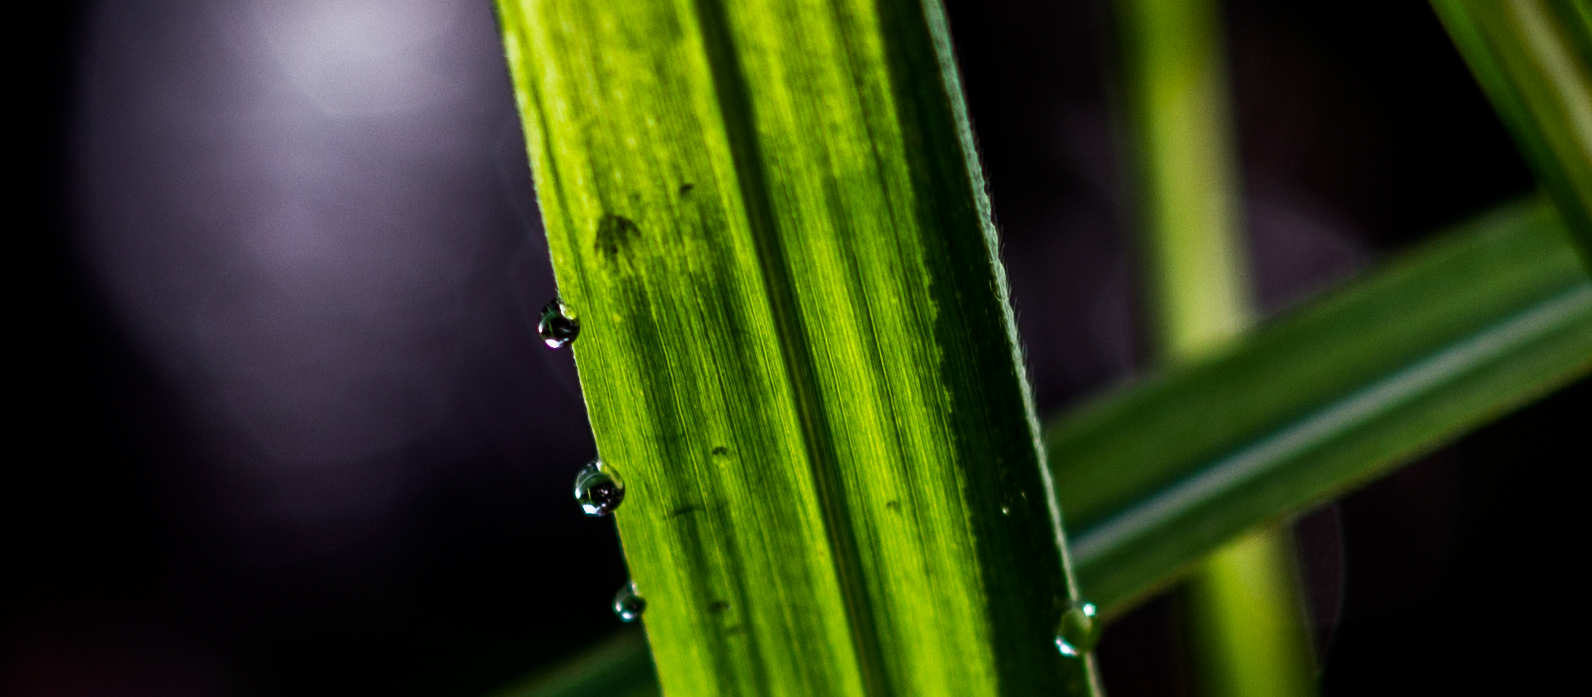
557, 327
1079, 630
598, 488
628, 604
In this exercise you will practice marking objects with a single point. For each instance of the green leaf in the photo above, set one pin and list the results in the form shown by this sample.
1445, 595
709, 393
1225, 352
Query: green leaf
617, 667
795, 345
1477, 322
1482, 320
1533, 58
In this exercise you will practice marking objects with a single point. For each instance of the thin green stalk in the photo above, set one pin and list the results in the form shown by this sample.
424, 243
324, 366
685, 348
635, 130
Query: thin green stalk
1246, 625
1533, 58
795, 344
1175, 84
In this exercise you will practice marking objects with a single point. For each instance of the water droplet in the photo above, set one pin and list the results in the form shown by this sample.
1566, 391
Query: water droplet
628, 604
1079, 630
598, 488
557, 326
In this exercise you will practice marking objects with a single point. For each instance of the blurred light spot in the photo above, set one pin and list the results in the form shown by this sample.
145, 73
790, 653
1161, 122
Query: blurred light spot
360, 56
289, 201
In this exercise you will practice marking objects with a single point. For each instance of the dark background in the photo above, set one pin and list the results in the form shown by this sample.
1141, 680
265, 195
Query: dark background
171, 530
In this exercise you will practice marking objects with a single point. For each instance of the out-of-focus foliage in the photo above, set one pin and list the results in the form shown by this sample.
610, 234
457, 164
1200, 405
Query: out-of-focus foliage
1431, 345
1246, 631
1533, 58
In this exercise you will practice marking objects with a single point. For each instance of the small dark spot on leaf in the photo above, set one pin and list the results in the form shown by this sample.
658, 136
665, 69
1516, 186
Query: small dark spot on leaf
686, 188
684, 510
718, 606
893, 505
615, 234
721, 450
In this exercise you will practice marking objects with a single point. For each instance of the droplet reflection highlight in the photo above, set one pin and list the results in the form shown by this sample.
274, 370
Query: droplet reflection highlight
558, 325
628, 604
1079, 630
598, 488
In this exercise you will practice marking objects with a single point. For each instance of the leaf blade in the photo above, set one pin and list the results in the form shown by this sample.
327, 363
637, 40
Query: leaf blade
1557, 352
616, 667
1533, 59
795, 344
1323, 399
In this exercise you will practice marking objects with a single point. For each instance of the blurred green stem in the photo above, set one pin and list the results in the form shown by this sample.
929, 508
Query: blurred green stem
1187, 182
1244, 620
1245, 626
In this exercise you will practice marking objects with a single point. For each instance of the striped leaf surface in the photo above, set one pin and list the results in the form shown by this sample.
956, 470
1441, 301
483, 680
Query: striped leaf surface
795, 344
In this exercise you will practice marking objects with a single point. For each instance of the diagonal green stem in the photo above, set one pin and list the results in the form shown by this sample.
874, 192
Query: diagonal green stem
1246, 625
1478, 322
1533, 58
617, 667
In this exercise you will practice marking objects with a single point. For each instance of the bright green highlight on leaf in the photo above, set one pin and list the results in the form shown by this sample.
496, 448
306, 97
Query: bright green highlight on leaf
1533, 58
795, 345
1446, 338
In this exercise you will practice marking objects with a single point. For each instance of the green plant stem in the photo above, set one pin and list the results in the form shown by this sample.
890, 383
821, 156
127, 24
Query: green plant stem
1247, 633
1244, 622
1533, 59
795, 345
1175, 83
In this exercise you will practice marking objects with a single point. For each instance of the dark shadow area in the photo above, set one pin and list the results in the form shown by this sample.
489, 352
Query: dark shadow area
1438, 559
164, 539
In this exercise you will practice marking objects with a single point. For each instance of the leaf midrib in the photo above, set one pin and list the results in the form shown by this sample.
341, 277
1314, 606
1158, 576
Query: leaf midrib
734, 105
